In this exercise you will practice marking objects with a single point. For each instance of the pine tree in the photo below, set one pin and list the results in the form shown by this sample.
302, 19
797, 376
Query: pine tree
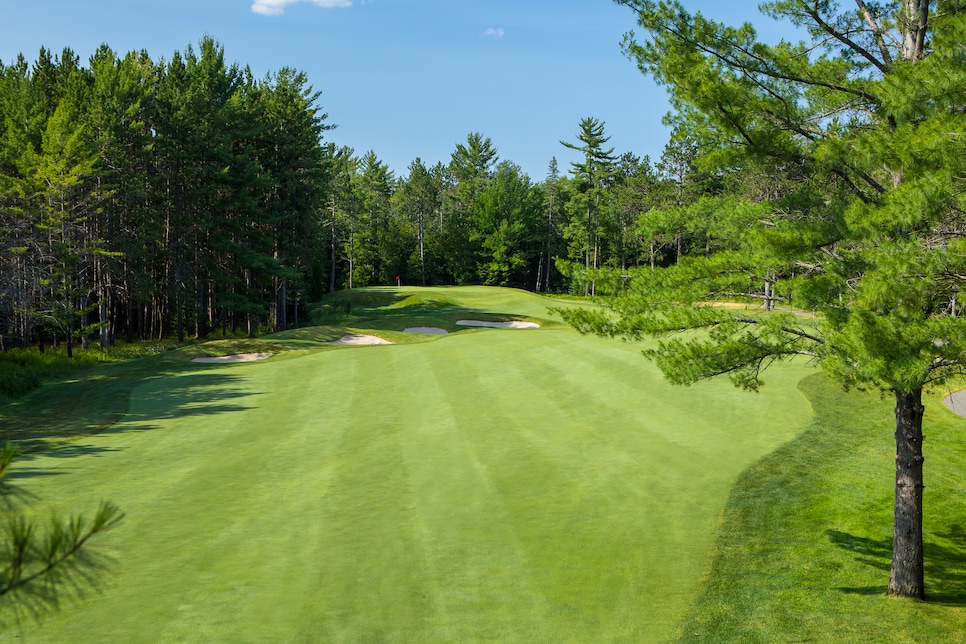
594, 173
871, 107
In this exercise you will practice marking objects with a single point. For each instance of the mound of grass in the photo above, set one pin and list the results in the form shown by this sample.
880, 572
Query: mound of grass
806, 539
425, 302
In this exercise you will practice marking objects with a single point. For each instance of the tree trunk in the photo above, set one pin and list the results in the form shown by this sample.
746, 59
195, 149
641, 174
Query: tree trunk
539, 272
906, 578
70, 330
422, 251
283, 305
84, 321
102, 313
332, 245
180, 296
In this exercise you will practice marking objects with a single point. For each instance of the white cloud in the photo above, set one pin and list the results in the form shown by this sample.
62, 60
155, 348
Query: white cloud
277, 7
494, 32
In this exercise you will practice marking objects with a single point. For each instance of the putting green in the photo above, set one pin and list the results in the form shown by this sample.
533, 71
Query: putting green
486, 485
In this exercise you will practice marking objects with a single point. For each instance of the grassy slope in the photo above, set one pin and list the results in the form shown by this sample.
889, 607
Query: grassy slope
525, 485
806, 539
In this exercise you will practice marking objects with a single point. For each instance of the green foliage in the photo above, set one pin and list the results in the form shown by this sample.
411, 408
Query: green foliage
183, 192
877, 264
506, 225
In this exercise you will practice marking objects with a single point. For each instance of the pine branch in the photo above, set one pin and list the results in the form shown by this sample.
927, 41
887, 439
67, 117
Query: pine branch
62, 545
842, 38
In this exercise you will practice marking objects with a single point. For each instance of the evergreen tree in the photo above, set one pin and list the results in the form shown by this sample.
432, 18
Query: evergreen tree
552, 209
870, 106
471, 167
594, 173
292, 171
418, 199
119, 114
506, 223
374, 185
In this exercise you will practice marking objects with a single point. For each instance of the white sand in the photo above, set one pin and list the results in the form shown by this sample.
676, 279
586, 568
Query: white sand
358, 339
428, 330
515, 324
957, 402
238, 357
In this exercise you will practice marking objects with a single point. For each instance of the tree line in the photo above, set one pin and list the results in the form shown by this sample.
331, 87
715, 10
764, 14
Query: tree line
182, 197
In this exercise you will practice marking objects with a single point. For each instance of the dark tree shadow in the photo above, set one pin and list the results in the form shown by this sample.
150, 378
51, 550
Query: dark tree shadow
945, 564
49, 419
197, 394
69, 450
392, 311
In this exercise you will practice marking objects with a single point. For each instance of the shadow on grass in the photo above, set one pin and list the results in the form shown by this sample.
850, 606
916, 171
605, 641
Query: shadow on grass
945, 564
69, 450
20, 473
48, 418
390, 310
197, 394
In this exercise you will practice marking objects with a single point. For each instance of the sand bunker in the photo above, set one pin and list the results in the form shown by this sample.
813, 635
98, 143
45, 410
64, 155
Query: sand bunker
957, 402
514, 324
427, 330
360, 339
238, 357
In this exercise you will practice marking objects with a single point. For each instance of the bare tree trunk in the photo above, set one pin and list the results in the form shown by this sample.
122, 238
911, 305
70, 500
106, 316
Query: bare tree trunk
180, 305
539, 273
332, 245
104, 329
68, 306
85, 342
283, 305
352, 256
907, 578
280, 304
421, 237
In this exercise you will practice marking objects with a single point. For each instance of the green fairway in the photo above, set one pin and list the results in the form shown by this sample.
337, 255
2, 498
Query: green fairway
507, 485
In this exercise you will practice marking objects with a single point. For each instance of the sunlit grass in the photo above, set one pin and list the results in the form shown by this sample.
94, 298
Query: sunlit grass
490, 484
806, 540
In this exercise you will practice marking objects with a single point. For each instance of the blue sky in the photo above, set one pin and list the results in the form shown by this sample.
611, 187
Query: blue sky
405, 78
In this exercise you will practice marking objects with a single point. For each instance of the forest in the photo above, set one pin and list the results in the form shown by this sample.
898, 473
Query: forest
144, 199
